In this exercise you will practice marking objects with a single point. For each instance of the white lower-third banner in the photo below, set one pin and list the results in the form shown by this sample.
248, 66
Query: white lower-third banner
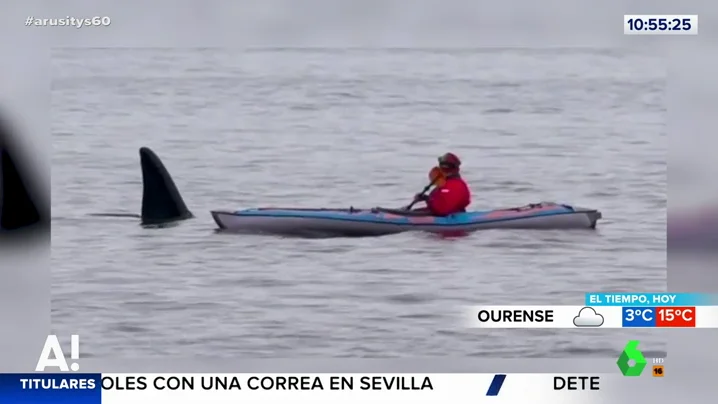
316, 388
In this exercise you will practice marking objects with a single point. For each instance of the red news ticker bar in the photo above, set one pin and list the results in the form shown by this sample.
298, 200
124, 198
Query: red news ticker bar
676, 317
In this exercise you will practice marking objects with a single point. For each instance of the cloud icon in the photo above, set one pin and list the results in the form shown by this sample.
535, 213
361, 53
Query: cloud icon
587, 317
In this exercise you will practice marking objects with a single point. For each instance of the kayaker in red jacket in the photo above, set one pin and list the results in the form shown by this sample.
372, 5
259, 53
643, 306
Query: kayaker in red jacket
451, 193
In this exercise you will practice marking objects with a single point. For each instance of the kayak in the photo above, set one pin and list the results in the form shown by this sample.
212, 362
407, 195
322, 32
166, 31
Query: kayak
381, 221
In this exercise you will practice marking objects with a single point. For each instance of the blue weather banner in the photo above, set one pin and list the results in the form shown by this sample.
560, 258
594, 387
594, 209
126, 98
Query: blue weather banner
40, 388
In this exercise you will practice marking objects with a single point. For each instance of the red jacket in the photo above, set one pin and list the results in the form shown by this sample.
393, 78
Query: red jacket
452, 197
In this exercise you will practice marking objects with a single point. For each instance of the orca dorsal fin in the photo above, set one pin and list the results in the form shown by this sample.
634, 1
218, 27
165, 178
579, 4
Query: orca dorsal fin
161, 200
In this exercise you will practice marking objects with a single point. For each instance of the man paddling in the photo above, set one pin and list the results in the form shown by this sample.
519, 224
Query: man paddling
451, 194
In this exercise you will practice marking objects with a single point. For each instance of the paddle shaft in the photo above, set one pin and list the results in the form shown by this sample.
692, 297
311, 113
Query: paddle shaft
425, 190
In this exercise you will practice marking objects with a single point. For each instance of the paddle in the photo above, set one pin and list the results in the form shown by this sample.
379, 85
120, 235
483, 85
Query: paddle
435, 175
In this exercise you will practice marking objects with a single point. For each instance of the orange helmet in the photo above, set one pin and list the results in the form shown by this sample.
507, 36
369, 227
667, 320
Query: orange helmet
449, 162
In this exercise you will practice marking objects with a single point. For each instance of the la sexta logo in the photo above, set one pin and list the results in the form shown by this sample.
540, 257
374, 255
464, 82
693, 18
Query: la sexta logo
52, 355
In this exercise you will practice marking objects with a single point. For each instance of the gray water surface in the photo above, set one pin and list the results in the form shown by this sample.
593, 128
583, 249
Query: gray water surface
334, 128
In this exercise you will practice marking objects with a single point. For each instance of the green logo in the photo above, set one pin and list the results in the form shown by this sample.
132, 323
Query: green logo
631, 353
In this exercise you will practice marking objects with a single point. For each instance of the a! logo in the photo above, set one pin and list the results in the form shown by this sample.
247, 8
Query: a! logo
631, 353
52, 355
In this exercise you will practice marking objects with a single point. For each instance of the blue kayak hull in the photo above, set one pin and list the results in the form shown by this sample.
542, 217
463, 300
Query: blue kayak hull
375, 222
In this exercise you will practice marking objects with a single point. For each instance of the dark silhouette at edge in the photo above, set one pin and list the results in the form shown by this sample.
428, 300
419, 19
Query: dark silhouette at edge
23, 207
18, 208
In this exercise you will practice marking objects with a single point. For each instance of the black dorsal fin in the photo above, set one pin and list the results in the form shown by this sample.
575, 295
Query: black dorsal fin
161, 201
